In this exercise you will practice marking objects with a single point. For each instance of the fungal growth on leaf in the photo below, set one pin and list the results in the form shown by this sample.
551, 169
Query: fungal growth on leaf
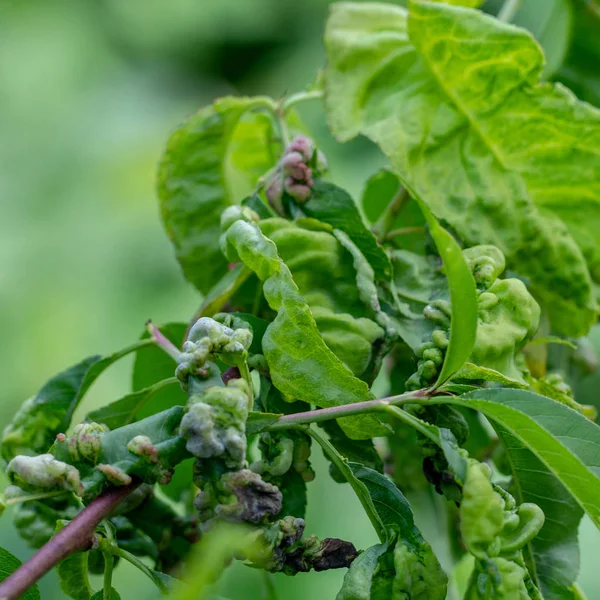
432, 339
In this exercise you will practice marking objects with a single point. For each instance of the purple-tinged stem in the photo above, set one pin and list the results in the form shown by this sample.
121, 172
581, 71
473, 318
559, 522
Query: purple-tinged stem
162, 342
76, 536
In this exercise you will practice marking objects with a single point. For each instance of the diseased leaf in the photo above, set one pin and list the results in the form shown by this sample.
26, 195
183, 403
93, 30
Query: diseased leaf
49, 412
327, 267
333, 205
358, 580
126, 410
417, 572
73, 572
562, 439
458, 110
152, 366
300, 363
212, 161
8, 565
552, 556
119, 464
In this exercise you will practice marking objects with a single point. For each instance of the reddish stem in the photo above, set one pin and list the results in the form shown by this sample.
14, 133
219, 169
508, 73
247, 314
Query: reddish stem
76, 536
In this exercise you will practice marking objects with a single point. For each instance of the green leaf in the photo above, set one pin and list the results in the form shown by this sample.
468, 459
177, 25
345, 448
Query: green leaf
333, 205
168, 581
259, 421
418, 573
358, 581
392, 507
212, 161
99, 595
152, 366
562, 439
465, 122
293, 489
463, 301
49, 412
126, 410
262, 209
73, 572
552, 556
357, 451
222, 291
9, 564
300, 363
471, 372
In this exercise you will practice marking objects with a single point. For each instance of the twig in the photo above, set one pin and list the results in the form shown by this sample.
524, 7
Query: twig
161, 341
75, 537
357, 408
403, 231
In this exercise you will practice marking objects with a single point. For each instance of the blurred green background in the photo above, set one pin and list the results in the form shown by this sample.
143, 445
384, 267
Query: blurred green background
89, 92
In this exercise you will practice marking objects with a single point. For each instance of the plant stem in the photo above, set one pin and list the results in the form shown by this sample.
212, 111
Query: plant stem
31, 497
411, 420
335, 412
403, 231
161, 341
136, 562
509, 10
270, 590
301, 97
359, 489
387, 218
75, 537
109, 561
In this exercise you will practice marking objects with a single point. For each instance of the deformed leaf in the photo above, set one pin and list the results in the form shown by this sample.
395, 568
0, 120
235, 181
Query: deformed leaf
358, 581
8, 565
552, 556
417, 572
562, 439
469, 128
117, 461
49, 412
300, 363
212, 161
